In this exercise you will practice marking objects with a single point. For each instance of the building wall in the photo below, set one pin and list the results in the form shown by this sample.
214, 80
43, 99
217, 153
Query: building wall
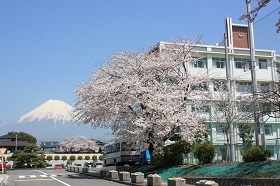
266, 75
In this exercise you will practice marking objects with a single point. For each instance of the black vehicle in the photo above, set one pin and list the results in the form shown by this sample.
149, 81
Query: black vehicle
88, 164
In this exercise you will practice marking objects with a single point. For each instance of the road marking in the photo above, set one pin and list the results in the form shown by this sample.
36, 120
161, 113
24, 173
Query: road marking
43, 176
21, 177
60, 181
32, 176
41, 172
27, 180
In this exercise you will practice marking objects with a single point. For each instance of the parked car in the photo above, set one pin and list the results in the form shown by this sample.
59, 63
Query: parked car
58, 166
4, 165
98, 164
49, 166
88, 164
78, 165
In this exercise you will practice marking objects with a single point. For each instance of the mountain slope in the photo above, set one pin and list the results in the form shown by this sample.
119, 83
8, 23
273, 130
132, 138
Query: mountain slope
51, 121
52, 109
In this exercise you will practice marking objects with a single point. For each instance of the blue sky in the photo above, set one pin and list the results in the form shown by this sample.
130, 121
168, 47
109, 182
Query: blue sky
48, 47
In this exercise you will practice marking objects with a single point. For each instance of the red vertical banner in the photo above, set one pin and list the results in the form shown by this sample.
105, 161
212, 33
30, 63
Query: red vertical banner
240, 36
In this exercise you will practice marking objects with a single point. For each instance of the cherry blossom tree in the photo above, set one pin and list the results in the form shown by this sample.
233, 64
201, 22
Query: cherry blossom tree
230, 107
78, 143
145, 96
254, 12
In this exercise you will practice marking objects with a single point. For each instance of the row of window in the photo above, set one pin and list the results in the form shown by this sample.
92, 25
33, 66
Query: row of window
266, 109
218, 62
241, 87
268, 130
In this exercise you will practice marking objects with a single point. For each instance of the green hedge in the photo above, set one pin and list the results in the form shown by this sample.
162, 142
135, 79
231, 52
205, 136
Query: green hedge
80, 157
94, 158
56, 157
64, 157
72, 157
49, 158
258, 153
204, 152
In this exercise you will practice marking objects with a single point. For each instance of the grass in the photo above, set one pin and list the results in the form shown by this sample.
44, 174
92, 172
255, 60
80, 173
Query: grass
266, 169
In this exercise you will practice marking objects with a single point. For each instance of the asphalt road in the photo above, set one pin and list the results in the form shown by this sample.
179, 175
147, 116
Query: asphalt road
53, 177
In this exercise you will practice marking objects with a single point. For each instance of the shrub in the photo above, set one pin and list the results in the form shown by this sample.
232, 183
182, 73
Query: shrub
87, 157
157, 159
172, 154
49, 158
56, 157
258, 153
204, 152
72, 157
80, 157
9, 158
101, 157
64, 157
94, 158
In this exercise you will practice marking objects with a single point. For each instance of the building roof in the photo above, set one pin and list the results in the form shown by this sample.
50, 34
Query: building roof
13, 143
7, 136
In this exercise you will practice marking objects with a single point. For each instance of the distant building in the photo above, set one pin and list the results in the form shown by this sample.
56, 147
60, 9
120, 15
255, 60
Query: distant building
11, 143
50, 147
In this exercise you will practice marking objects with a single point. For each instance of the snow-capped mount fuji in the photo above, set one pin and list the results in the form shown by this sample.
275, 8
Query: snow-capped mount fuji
51, 121
52, 109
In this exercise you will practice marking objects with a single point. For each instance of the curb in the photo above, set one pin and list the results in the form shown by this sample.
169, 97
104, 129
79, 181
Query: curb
4, 181
96, 175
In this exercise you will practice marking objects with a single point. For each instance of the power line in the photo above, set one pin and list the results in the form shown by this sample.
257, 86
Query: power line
267, 15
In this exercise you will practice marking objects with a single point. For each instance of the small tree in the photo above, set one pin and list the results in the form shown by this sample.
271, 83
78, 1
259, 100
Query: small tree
31, 156
87, 157
258, 153
94, 158
49, 158
80, 157
172, 154
101, 157
204, 152
64, 158
246, 135
72, 158
57, 157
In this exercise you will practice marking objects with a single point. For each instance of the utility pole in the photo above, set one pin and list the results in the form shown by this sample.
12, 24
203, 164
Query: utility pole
16, 142
229, 86
253, 70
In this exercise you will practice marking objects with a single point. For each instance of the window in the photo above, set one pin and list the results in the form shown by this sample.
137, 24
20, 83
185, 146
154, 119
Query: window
221, 129
199, 63
205, 109
245, 108
244, 87
200, 87
222, 152
219, 85
264, 87
268, 130
267, 109
262, 64
278, 68
241, 63
218, 62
